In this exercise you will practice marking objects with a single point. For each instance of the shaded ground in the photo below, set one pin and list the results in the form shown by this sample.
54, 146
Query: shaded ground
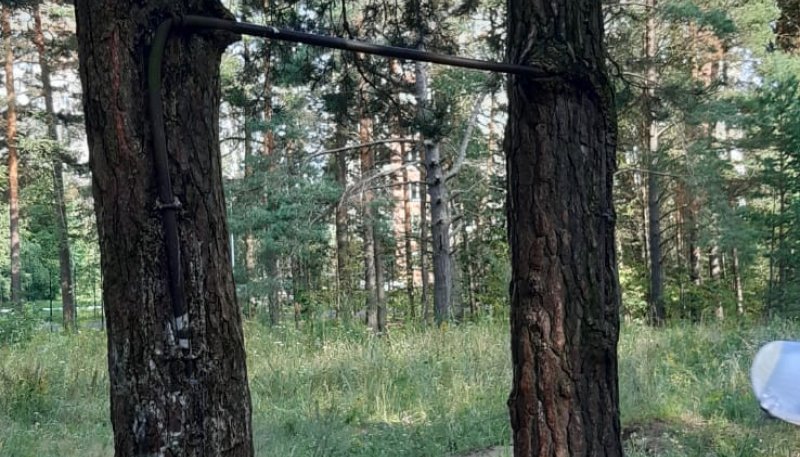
652, 438
494, 451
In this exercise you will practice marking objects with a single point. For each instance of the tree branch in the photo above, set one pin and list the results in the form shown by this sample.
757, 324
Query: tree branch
462, 149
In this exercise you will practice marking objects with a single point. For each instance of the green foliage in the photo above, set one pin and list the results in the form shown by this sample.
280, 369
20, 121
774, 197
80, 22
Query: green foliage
685, 391
633, 283
688, 11
16, 327
771, 119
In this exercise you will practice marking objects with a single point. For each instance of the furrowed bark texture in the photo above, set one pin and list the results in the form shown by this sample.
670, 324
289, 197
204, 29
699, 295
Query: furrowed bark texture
560, 147
164, 402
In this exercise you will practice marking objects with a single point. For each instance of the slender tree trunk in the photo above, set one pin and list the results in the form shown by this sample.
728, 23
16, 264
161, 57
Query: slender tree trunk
693, 246
59, 206
250, 242
407, 237
440, 232
380, 282
268, 145
772, 247
13, 160
298, 290
421, 83
561, 156
342, 242
176, 392
657, 312
714, 274
368, 226
468, 269
781, 231
439, 205
423, 243
737, 282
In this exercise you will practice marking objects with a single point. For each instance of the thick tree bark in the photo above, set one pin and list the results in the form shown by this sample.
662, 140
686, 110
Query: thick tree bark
560, 147
13, 160
651, 140
165, 400
59, 206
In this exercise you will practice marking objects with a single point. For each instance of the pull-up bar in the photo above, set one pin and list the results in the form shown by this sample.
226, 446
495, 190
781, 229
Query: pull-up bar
168, 203
282, 34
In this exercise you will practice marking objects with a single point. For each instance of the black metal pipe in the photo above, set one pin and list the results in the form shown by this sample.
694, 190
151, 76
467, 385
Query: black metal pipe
167, 203
281, 34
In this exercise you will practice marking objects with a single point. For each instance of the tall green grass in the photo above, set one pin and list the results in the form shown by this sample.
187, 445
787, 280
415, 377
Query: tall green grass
337, 391
685, 391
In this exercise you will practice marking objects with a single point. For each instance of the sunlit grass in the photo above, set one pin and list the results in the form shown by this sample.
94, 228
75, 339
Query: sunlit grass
685, 391
337, 391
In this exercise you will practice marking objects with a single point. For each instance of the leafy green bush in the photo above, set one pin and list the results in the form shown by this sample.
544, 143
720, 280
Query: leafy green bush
16, 327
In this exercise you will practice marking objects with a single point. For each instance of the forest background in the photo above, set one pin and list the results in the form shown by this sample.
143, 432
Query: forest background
335, 220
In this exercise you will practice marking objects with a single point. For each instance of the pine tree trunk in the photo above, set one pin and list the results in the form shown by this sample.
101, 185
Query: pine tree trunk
407, 237
560, 146
342, 242
165, 399
439, 206
693, 245
714, 274
250, 243
423, 244
656, 298
368, 225
59, 206
13, 160
440, 232
380, 282
737, 282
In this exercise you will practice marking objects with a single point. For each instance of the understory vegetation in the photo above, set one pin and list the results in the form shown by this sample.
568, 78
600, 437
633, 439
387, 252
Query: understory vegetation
336, 390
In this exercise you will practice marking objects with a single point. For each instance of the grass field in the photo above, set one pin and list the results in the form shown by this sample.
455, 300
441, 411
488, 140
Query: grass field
422, 392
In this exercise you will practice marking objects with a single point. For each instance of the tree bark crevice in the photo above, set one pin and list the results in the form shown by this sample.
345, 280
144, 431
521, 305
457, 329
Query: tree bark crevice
561, 157
158, 405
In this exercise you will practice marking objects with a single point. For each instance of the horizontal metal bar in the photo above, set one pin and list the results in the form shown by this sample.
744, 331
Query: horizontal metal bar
275, 33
